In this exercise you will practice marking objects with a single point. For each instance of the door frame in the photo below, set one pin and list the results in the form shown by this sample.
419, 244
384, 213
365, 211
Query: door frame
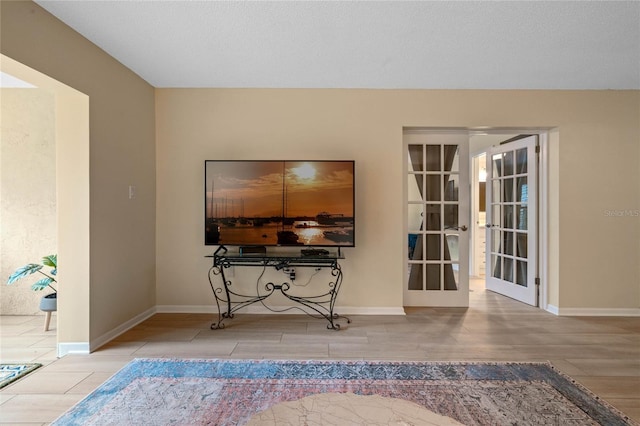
543, 194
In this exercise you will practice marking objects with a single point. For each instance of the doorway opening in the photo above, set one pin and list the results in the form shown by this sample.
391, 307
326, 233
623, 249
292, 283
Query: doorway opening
500, 210
505, 211
72, 205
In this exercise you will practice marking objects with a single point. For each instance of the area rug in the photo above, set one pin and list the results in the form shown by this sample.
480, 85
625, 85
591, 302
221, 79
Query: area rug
9, 373
231, 392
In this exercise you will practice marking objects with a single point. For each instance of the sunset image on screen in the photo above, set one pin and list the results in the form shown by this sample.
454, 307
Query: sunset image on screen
311, 201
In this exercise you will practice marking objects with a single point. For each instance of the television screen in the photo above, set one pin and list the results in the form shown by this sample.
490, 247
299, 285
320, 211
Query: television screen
279, 203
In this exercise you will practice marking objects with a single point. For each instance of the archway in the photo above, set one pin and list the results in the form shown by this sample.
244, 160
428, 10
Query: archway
72, 191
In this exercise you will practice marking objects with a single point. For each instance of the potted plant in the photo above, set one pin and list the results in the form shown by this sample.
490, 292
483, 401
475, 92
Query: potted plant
48, 303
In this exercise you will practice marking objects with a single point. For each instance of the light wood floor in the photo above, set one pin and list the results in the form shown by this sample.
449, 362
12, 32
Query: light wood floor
601, 353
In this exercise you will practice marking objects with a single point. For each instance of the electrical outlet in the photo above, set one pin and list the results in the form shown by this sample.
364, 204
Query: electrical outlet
132, 192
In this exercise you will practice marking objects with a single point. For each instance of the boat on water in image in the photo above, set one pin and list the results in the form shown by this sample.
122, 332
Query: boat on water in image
288, 238
326, 218
340, 236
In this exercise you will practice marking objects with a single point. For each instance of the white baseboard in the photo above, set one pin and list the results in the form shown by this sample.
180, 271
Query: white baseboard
594, 312
107, 337
374, 310
66, 348
259, 309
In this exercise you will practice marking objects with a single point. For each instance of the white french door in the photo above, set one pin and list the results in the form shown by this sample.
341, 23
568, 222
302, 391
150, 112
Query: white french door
511, 229
437, 194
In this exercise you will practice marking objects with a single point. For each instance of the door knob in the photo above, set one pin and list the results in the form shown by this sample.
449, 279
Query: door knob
462, 228
488, 225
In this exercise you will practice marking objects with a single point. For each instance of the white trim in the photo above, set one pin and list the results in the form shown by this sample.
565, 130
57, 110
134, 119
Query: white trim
258, 309
552, 309
543, 221
109, 336
376, 310
72, 348
598, 312
474, 181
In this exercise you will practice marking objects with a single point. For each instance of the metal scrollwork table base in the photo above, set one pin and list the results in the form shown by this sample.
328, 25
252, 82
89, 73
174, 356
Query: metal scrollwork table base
229, 301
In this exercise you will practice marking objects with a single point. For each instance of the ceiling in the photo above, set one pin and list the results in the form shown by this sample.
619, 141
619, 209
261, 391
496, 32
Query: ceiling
364, 44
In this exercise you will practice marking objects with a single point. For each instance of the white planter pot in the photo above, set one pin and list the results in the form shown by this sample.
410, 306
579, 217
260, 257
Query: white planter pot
49, 303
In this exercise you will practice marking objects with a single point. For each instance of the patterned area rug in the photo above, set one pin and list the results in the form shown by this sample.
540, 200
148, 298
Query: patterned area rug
230, 392
9, 373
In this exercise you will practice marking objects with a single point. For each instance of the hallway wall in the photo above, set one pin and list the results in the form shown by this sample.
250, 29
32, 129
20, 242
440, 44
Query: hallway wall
27, 192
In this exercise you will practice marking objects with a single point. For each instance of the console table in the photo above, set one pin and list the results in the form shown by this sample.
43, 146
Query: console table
320, 305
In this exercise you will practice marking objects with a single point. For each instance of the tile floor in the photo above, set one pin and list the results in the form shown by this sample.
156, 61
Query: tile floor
601, 353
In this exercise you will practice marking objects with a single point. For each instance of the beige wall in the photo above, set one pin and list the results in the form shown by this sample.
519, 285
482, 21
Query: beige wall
28, 229
594, 160
121, 153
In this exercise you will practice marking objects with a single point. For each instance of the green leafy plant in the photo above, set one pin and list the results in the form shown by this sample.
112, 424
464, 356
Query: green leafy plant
51, 261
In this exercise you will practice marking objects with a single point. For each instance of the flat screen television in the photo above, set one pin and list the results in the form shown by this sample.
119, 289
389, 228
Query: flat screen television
280, 203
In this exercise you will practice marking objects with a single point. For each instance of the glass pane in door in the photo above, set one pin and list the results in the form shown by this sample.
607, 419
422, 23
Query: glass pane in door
415, 276
496, 186
508, 269
507, 193
521, 190
433, 276
521, 219
433, 157
432, 217
415, 185
433, 247
507, 217
507, 243
496, 265
451, 185
433, 191
416, 158
495, 240
416, 251
497, 166
521, 161
450, 277
521, 276
452, 247
451, 158
508, 163
522, 245
415, 219
450, 216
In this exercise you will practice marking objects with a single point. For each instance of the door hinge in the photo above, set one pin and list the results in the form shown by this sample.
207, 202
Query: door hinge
537, 281
537, 149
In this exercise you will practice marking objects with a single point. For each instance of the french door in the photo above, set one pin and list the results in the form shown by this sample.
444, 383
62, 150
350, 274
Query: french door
437, 194
512, 220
